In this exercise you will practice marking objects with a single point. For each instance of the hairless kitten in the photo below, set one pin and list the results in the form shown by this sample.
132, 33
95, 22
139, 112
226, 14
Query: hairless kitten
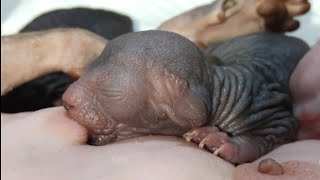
234, 100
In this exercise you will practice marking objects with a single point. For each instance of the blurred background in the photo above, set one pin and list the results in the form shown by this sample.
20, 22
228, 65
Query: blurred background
146, 14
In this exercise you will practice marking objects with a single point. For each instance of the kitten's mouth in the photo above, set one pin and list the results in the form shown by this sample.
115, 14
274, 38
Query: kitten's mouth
102, 139
119, 133
97, 137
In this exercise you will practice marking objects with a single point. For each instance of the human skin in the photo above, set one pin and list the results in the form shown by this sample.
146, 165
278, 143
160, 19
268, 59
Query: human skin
298, 160
159, 83
56, 149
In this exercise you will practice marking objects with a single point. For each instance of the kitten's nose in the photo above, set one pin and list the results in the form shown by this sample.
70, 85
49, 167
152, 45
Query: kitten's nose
66, 105
69, 98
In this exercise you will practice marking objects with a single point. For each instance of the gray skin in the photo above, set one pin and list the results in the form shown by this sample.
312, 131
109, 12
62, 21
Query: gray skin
237, 105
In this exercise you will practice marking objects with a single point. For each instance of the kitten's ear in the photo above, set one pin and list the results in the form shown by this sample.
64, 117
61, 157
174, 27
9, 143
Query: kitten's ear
185, 107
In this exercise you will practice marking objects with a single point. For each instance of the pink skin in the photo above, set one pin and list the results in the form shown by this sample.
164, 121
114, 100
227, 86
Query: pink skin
305, 87
46, 126
293, 170
56, 148
299, 160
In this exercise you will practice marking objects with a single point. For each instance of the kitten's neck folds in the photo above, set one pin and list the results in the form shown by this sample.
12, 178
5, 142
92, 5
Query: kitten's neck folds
231, 94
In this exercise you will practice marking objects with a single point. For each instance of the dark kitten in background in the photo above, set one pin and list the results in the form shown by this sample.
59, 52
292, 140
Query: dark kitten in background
104, 23
46, 91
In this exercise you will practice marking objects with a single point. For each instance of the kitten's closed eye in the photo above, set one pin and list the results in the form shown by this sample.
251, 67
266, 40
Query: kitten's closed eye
111, 93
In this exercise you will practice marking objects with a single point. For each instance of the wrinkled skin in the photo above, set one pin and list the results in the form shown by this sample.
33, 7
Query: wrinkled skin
212, 23
58, 131
226, 19
157, 82
119, 98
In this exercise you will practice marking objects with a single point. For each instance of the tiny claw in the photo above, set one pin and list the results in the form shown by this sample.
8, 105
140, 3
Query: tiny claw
185, 135
203, 142
188, 136
216, 152
188, 139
